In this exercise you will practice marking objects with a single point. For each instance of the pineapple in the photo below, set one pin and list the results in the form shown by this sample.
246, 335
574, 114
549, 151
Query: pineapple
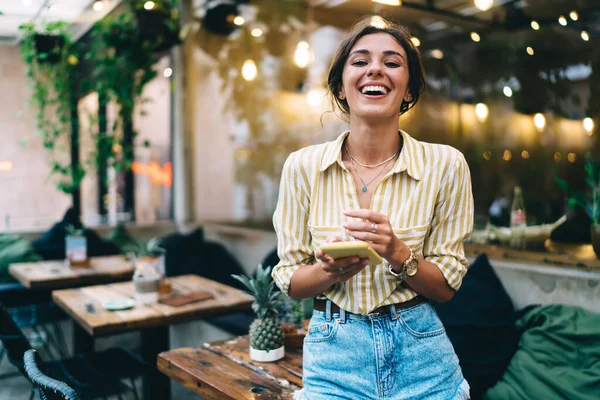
265, 331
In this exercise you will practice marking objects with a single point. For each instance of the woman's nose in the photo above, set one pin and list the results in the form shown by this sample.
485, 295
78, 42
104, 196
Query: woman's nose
375, 70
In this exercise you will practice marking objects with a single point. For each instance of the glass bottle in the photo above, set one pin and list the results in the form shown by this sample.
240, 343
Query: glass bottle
518, 220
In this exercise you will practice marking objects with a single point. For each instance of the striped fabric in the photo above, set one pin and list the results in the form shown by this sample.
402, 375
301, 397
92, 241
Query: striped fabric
426, 195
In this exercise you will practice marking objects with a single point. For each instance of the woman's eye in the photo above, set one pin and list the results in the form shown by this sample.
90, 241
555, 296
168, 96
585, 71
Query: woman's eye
359, 62
392, 64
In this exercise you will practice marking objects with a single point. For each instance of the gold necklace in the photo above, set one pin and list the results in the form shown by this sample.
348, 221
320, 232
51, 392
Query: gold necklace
364, 185
368, 165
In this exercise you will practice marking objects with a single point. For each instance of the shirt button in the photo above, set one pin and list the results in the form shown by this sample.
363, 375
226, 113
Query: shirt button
413, 232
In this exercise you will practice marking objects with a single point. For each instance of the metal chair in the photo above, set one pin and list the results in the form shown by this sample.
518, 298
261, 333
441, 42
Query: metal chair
48, 388
92, 375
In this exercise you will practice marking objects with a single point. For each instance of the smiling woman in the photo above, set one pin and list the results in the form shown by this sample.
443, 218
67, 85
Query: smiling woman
410, 201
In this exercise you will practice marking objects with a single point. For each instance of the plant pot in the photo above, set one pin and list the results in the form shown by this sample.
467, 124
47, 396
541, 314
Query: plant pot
267, 356
154, 26
76, 251
595, 230
48, 47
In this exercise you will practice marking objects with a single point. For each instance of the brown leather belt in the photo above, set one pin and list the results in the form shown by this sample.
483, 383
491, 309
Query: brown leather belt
320, 305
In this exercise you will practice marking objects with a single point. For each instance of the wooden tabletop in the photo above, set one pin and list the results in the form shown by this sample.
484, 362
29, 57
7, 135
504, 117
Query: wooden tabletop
223, 370
576, 257
58, 275
85, 305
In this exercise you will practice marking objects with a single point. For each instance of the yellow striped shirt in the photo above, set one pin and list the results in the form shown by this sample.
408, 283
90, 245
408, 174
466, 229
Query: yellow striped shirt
426, 195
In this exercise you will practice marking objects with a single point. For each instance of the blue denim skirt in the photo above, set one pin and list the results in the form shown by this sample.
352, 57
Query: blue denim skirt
403, 354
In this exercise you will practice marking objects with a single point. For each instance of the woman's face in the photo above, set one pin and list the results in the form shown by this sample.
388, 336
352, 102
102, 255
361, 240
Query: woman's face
375, 77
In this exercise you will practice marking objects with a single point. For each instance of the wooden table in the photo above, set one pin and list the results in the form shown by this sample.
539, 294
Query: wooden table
223, 371
153, 320
58, 275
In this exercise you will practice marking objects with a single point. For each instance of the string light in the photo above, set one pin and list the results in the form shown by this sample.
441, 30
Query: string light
557, 156
149, 5
525, 154
535, 25
415, 40
239, 20
588, 125
256, 32
574, 16
249, 70
530, 51
539, 121
585, 36
167, 72
484, 5
507, 91
377, 22
572, 157
507, 156
475, 37
437, 53
487, 155
302, 54
562, 20
482, 111
98, 5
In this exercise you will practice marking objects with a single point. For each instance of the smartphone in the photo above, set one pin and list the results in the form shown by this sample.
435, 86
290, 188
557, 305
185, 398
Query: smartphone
357, 248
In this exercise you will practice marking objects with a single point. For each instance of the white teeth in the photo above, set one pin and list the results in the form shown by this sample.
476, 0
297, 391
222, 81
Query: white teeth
380, 89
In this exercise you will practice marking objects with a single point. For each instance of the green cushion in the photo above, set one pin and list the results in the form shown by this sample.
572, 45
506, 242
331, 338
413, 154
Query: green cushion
14, 249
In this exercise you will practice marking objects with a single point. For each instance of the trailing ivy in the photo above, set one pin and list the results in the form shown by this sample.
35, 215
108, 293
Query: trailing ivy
49, 71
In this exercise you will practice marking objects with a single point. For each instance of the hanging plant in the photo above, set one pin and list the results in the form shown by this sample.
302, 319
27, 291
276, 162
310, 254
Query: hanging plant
123, 65
50, 58
159, 25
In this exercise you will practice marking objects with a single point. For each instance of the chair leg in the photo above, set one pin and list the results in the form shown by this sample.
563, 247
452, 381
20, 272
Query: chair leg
45, 344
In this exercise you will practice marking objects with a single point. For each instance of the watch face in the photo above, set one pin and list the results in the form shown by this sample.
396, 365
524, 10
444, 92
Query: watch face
412, 267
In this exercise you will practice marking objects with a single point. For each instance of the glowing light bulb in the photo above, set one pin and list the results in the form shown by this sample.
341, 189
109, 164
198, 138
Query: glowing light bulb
574, 16
475, 37
484, 5
249, 70
302, 54
535, 26
98, 5
530, 51
239, 20
167, 72
562, 20
482, 111
539, 121
585, 36
256, 32
588, 125
507, 91
149, 5
415, 40
437, 53
377, 22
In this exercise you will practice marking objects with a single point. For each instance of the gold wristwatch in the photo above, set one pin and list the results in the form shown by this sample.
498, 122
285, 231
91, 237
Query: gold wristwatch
409, 267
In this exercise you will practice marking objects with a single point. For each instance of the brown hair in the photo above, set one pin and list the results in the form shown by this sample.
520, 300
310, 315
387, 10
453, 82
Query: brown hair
416, 73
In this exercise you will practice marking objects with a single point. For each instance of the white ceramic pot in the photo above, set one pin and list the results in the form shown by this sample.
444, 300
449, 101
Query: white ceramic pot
267, 356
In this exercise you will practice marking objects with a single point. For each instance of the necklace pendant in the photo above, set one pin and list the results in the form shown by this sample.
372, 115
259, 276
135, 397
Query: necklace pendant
364, 188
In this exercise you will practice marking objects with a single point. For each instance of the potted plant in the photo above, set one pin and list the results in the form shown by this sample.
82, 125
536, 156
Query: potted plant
148, 259
266, 336
158, 25
589, 201
292, 322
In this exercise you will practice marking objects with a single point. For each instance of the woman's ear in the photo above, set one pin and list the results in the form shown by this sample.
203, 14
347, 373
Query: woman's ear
408, 98
341, 94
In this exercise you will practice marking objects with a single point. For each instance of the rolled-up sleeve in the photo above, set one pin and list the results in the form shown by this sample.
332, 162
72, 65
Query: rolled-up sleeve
291, 222
452, 224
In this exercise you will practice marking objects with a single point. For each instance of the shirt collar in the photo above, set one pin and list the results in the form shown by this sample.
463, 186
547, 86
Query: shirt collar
410, 160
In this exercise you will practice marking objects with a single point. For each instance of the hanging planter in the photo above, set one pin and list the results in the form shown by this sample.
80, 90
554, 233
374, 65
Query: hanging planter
49, 48
159, 28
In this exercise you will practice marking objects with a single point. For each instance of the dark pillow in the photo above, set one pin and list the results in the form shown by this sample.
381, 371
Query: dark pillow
51, 246
480, 323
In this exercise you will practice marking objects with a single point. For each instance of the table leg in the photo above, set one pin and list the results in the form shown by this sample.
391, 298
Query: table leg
156, 385
82, 341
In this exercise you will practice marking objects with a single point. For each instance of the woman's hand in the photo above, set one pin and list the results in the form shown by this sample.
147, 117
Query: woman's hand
375, 228
342, 269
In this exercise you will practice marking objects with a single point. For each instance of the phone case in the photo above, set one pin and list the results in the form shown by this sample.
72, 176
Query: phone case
353, 248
